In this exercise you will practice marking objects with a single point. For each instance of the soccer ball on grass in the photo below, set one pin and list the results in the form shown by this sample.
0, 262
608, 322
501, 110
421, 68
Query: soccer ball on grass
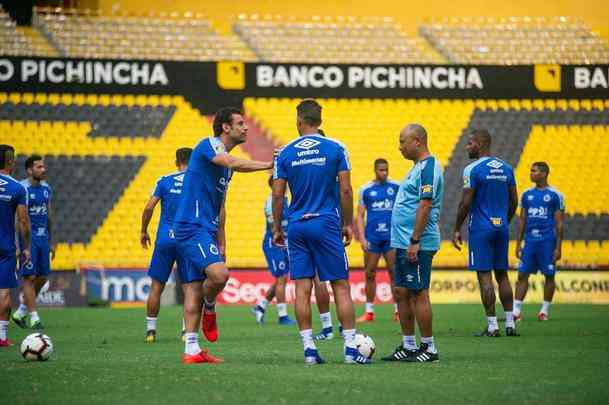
36, 347
365, 345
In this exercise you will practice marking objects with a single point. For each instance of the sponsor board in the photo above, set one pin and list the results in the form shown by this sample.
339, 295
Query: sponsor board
61, 290
247, 286
122, 286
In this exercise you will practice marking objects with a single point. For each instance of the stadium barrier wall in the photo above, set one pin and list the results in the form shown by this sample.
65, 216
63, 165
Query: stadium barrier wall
129, 287
209, 85
61, 290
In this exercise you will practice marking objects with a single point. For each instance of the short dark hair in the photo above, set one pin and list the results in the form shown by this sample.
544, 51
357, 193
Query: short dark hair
7, 153
543, 166
309, 111
224, 116
483, 136
380, 161
183, 155
29, 162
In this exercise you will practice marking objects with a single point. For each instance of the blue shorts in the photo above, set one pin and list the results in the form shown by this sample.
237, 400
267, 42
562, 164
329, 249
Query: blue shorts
40, 265
315, 245
538, 256
379, 246
197, 251
163, 258
488, 250
414, 276
276, 257
8, 267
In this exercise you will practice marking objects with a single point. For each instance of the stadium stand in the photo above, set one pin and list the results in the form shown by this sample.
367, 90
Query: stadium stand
573, 135
516, 40
21, 41
174, 36
331, 40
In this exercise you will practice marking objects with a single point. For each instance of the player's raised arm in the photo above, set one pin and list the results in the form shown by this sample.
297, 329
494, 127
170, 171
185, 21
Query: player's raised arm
346, 204
146, 217
241, 165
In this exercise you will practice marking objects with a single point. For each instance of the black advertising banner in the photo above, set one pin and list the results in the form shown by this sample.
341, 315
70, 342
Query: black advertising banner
61, 290
209, 85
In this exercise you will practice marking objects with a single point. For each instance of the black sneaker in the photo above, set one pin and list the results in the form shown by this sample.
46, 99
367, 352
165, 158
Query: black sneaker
423, 356
509, 331
486, 333
400, 354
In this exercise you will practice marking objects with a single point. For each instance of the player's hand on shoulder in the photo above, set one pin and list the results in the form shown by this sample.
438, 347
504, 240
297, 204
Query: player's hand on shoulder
145, 240
347, 235
457, 240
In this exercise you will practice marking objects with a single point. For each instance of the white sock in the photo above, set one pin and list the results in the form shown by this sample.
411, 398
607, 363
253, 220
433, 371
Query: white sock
492, 323
262, 303
431, 347
22, 310
192, 343
282, 309
370, 307
509, 319
307, 339
34, 317
326, 320
395, 308
349, 335
409, 342
517, 307
3, 330
150, 323
545, 307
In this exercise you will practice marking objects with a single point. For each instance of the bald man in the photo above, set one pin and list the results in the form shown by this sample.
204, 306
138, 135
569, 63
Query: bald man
415, 235
490, 199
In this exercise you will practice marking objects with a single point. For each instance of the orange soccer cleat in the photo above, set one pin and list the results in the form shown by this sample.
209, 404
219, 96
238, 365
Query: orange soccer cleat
6, 343
367, 317
542, 316
209, 326
202, 357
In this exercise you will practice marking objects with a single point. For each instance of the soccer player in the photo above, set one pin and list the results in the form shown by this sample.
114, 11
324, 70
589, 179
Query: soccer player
415, 235
310, 166
278, 264
490, 198
199, 227
167, 191
541, 224
375, 204
35, 272
13, 199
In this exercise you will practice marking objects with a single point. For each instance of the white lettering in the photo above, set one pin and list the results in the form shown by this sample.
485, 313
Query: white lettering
158, 75
264, 76
102, 72
6, 70
598, 79
28, 69
355, 76
117, 73
139, 73
75, 72
55, 77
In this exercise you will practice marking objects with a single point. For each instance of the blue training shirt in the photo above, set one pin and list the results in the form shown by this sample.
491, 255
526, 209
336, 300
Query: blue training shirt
491, 178
425, 181
378, 199
540, 205
168, 189
311, 164
204, 189
12, 194
39, 198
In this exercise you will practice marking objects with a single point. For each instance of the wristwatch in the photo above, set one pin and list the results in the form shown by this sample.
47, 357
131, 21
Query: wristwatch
414, 241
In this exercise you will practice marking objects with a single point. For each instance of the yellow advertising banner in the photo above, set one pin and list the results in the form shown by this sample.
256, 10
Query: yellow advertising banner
582, 287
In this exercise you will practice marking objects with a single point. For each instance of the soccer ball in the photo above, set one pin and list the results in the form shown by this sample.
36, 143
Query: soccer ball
36, 347
365, 345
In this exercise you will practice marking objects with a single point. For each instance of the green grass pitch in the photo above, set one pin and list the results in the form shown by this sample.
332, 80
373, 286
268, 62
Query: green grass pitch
101, 358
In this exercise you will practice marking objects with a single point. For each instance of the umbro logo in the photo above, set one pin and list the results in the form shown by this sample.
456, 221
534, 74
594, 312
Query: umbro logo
495, 164
179, 178
3, 182
307, 143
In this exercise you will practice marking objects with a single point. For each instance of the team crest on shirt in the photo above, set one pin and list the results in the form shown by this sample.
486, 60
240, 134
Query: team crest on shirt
495, 164
530, 197
426, 188
46, 194
547, 198
307, 143
390, 191
32, 196
373, 194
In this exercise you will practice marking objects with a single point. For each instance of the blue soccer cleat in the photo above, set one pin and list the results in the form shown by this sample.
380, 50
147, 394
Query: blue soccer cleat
325, 334
352, 356
312, 357
286, 320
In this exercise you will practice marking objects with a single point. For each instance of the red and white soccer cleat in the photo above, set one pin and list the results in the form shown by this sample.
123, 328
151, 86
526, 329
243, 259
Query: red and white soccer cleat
367, 317
518, 317
209, 326
202, 357
6, 343
542, 316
